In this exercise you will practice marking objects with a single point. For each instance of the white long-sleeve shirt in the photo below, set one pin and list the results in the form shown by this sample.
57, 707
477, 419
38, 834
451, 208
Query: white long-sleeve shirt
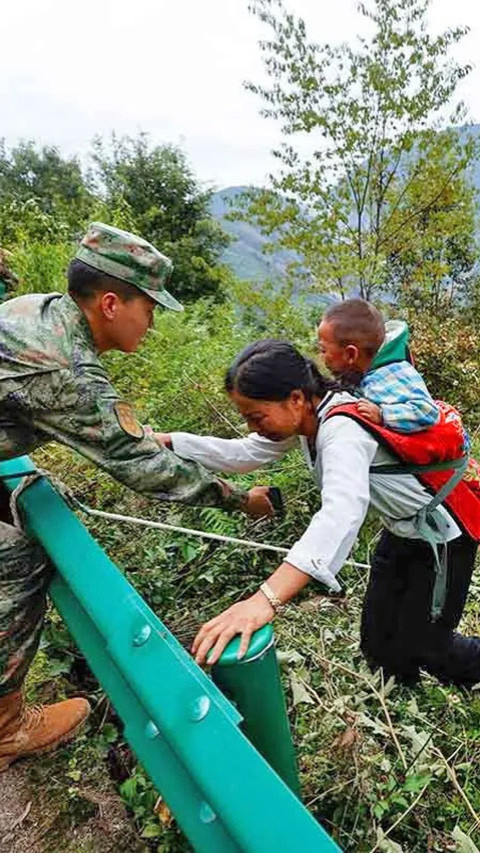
341, 467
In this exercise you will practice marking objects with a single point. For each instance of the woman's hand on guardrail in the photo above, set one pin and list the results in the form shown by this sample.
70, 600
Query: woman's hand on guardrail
243, 618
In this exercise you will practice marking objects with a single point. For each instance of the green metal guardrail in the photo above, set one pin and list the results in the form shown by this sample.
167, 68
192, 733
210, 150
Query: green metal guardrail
224, 795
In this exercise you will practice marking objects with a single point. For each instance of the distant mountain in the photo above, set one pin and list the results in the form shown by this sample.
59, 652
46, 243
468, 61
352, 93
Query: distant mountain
473, 130
245, 256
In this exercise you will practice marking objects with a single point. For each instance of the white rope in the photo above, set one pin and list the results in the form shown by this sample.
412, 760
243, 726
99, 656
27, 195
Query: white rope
72, 501
160, 525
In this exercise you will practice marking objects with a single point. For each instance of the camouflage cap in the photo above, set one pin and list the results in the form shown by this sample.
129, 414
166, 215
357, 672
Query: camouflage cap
129, 258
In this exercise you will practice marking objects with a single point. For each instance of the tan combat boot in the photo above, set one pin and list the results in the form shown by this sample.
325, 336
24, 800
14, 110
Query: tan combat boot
29, 731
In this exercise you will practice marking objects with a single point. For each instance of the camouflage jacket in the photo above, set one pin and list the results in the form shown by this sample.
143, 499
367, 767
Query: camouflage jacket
54, 387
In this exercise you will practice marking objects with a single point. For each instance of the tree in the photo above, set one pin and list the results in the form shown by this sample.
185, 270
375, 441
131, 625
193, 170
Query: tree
380, 173
167, 206
41, 192
431, 256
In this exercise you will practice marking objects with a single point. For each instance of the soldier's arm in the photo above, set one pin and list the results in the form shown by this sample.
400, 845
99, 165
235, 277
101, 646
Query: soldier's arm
103, 428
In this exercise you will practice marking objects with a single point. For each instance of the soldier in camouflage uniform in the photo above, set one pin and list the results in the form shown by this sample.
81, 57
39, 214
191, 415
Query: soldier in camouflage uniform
54, 387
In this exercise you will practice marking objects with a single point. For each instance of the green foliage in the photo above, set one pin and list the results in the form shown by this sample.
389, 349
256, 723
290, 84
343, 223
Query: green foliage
46, 202
381, 189
431, 256
41, 193
41, 267
22, 222
139, 795
447, 353
275, 312
168, 207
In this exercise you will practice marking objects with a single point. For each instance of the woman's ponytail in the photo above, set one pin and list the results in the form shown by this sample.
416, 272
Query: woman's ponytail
319, 383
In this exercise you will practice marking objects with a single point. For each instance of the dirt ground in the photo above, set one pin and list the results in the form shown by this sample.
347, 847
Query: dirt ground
29, 823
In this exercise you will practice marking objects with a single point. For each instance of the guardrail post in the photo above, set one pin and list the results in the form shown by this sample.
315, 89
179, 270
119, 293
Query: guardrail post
255, 687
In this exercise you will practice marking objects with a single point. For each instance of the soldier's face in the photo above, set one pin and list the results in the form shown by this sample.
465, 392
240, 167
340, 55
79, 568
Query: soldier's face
131, 321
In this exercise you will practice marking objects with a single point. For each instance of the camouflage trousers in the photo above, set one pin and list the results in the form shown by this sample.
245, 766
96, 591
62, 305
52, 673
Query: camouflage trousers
25, 574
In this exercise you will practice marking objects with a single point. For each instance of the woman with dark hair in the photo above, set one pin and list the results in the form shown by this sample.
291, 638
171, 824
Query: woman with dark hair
284, 399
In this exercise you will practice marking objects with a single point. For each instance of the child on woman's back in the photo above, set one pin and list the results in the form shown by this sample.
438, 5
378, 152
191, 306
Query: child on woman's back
358, 347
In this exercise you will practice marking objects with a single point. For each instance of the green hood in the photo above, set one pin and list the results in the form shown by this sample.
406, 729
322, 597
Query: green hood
395, 345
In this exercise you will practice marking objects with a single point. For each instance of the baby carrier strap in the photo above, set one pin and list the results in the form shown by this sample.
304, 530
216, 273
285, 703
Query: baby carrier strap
421, 454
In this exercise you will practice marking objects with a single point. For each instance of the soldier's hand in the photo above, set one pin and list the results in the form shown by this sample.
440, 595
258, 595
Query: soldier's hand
259, 504
163, 439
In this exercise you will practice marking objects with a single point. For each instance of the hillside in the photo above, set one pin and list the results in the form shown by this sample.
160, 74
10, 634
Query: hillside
245, 254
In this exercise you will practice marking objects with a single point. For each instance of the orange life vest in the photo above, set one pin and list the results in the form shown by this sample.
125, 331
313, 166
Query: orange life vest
439, 444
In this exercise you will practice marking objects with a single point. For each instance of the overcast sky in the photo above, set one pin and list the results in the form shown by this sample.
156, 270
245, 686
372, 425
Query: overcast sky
173, 68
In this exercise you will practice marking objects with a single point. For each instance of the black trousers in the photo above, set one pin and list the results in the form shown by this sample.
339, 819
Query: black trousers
397, 632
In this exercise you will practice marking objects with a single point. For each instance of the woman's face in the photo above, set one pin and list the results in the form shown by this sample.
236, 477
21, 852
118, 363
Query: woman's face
273, 419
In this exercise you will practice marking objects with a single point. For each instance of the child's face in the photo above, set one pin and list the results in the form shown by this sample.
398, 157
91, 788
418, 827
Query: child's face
339, 358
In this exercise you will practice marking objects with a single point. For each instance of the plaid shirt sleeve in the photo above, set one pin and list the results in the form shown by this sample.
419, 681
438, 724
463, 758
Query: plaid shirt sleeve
402, 395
